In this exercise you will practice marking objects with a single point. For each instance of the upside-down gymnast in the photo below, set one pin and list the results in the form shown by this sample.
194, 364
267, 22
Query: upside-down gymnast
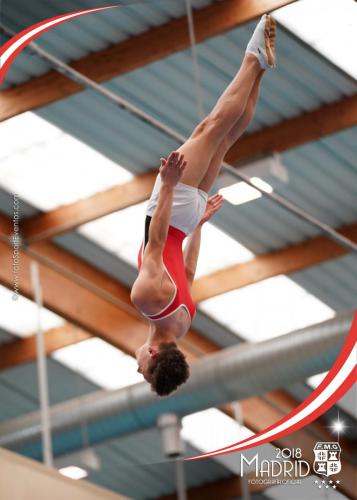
179, 206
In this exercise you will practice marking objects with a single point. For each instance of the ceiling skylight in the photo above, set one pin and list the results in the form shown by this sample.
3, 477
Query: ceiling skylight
122, 232
101, 363
212, 429
267, 309
218, 250
329, 26
241, 192
48, 168
20, 316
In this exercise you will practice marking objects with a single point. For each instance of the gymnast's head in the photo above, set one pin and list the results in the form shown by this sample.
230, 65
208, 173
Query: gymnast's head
163, 366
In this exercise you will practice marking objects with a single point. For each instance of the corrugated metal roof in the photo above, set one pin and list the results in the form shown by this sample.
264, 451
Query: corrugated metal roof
334, 282
153, 479
322, 180
7, 205
169, 96
6, 337
168, 93
19, 393
93, 32
134, 465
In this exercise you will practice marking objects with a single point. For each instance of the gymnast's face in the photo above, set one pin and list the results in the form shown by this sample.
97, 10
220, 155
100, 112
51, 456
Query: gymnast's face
144, 355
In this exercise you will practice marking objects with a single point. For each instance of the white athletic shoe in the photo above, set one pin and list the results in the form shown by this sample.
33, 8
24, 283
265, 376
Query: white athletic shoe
262, 42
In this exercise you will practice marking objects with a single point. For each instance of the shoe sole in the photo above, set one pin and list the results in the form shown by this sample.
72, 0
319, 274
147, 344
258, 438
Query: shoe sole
270, 37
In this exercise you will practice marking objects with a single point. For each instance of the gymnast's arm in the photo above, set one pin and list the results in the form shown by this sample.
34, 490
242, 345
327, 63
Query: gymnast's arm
193, 244
171, 171
152, 269
191, 253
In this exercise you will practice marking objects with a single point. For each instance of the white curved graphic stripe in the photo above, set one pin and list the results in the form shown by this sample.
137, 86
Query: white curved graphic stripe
333, 386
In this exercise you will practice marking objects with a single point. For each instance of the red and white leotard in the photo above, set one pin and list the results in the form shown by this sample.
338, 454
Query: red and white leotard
175, 268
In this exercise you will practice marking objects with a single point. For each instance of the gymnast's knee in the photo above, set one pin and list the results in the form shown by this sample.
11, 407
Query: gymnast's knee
211, 126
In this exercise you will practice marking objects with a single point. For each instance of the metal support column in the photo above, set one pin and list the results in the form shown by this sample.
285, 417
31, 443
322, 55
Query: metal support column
42, 369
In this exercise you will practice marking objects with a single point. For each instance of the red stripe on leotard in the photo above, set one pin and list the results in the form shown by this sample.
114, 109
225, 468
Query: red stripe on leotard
174, 263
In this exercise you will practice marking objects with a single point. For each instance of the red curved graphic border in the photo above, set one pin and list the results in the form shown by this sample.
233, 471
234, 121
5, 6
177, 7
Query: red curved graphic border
59, 20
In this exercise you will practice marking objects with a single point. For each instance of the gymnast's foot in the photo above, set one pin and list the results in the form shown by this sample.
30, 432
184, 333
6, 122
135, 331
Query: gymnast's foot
262, 42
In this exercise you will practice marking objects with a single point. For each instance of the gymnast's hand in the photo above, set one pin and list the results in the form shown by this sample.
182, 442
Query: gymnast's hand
214, 203
171, 170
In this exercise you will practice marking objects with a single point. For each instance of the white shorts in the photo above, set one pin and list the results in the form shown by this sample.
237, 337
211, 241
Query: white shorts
188, 206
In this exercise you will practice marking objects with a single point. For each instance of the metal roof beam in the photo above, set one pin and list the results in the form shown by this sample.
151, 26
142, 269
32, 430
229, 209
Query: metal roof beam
24, 350
68, 217
293, 132
294, 258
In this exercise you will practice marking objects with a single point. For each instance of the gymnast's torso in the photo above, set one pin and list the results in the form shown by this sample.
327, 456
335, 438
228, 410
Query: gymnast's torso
179, 310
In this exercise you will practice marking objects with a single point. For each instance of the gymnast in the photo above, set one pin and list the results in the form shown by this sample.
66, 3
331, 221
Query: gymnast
178, 208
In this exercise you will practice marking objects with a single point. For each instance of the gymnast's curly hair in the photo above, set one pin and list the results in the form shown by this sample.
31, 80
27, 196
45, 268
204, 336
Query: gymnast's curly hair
168, 369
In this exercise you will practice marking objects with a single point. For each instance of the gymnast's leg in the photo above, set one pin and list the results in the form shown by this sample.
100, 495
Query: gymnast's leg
207, 138
232, 137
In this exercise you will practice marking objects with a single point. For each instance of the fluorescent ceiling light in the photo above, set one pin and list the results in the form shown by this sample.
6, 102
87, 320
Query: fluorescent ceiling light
267, 309
329, 26
211, 429
47, 167
218, 251
241, 192
101, 363
20, 316
73, 472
